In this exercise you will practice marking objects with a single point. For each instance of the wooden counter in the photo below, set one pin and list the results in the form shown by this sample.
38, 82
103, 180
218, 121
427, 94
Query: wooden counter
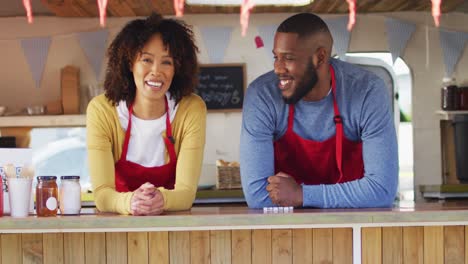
421, 233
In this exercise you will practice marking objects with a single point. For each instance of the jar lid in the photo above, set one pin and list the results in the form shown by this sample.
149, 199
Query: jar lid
46, 178
69, 177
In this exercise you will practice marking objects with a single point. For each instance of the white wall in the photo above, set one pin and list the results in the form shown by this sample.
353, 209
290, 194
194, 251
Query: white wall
423, 55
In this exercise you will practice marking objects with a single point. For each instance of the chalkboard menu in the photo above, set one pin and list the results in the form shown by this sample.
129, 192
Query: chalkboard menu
222, 86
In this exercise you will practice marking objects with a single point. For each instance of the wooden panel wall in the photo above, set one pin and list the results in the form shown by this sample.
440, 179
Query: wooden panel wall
415, 245
223, 246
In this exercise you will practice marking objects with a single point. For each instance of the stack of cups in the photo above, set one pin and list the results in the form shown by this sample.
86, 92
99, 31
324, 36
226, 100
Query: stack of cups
19, 190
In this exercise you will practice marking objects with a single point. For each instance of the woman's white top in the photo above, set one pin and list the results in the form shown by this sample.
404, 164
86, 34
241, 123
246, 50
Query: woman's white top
146, 146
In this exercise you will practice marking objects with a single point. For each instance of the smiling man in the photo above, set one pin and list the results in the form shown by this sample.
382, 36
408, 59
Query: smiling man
316, 131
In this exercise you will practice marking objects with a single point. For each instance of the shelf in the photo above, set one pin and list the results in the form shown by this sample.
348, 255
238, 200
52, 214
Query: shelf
448, 115
43, 121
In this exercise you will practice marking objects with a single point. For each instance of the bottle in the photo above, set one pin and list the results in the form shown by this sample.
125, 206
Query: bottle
70, 195
46, 196
463, 93
449, 95
1, 195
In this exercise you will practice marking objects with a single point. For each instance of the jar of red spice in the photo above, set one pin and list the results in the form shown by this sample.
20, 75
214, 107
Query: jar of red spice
46, 196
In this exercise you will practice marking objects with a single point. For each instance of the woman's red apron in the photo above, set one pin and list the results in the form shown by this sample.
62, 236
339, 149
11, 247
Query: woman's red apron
334, 160
129, 176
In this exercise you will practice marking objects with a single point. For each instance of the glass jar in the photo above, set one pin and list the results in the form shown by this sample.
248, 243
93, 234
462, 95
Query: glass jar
46, 196
463, 93
70, 195
450, 99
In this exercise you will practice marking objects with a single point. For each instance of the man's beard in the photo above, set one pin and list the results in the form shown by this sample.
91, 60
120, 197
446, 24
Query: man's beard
305, 85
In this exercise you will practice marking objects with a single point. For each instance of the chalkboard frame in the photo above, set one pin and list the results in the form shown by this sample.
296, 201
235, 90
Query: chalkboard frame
244, 83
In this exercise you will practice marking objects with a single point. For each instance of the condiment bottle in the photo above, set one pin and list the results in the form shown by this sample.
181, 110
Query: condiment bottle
1, 195
70, 195
450, 100
46, 196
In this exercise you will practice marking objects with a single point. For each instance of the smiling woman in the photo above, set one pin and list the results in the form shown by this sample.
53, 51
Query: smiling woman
146, 134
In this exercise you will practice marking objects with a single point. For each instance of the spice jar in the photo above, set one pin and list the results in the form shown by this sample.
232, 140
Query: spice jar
46, 196
450, 99
70, 195
463, 93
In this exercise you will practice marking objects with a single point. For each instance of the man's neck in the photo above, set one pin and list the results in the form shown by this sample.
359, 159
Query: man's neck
322, 87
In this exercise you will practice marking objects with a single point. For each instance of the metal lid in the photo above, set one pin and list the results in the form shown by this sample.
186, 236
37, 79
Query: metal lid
69, 177
46, 178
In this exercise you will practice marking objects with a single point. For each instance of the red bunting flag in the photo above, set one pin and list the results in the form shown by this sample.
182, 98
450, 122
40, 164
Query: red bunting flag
27, 6
259, 42
102, 5
246, 7
179, 7
352, 14
436, 11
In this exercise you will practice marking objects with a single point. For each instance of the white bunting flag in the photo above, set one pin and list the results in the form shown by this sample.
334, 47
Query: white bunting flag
216, 40
94, 45
36, 50
398, 34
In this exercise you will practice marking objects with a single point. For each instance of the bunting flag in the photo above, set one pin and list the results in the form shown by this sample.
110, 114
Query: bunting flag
94, 46
179, 7
436, 11
452, 43
246, 7
352, 14
102, 6
216, 41
398, 34
267, 33
36, 50
341, 35
28, 8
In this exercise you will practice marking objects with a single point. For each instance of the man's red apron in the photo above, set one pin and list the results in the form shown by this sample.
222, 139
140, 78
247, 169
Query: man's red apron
334, 160
129, 176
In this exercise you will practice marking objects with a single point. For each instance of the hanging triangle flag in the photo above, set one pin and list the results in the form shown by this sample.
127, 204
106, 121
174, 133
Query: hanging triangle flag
94, 46
216, 40
36, 50
267, 33
398, 34
339, 30
452, 43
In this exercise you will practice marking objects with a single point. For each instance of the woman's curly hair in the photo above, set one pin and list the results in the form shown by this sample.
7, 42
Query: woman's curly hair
177, 36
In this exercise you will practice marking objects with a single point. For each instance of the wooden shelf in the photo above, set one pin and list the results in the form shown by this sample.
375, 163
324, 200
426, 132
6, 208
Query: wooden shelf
448, 115
43, 121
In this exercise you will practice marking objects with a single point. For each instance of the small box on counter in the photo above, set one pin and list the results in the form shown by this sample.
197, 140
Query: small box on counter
70, 85
227, 175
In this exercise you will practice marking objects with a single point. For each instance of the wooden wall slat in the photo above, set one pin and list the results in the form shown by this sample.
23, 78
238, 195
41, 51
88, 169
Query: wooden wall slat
137, 247
322, 245
371, 238
53, 248
116, 248
454, 244
466, 244
281, 246
11, 249
220, 246
95, 248
392, 245
179, 247
413, 241
343, 245
302, 246
158, 247
433, 244
241, 246
261, 246
32, 248
200, 247
73, 248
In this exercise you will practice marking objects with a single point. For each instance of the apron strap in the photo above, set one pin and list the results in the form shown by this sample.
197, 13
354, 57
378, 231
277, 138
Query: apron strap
127, 133
339, 127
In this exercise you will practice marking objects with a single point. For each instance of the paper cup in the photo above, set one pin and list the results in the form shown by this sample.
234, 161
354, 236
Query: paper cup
19, 190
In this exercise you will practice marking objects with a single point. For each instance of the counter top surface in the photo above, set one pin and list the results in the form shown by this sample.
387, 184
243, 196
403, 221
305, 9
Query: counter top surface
241, 217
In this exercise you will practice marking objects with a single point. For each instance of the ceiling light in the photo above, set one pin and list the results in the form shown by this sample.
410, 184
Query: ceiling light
256, 2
